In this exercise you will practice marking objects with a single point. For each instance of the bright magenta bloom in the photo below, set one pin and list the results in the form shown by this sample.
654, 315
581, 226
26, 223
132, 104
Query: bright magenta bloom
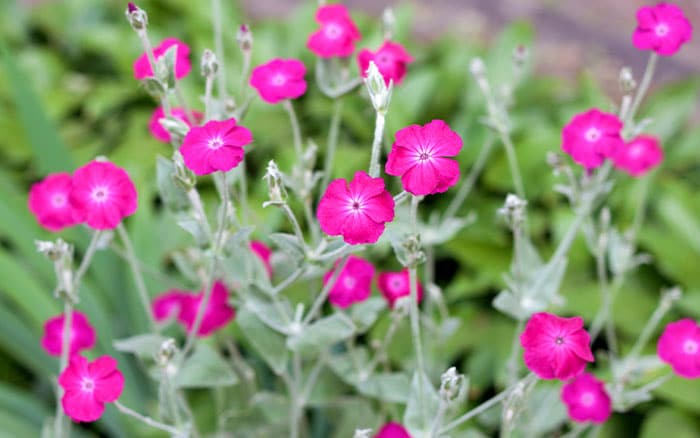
586, 400
662, 28
88, 386
279, 79
357, 211
143, 70
391, 59
102, 195
168, 304
218, 313
394, 285
82, 335
555, 347
353, 285
679, 346
591, 137
639, 156
392, 430
419, 157
218, 145
157, 129
264, 253
337, 34
48, 201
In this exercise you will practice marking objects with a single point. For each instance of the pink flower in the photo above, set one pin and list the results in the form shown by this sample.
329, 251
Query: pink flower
142, 67
157, 129
591, 137
392, 430
555, 347
82, 336
218, 313
279, 79
391, 60
48, 201
353, 284
102, 195
394, 285
337, 34
358, 212
168, 304
88, 386
679, 346
640, 155
586, 400
419, 156
662, 28
264, 253
218, 145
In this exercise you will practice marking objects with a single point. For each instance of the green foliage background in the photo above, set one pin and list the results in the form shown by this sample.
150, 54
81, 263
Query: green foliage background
67, 94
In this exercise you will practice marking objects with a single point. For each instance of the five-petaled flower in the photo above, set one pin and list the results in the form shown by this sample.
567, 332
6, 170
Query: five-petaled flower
586, 399
357, 211
48, 201
218, 145
391, 60
88, 386
556, 347
279, 79
394, 285
160, 133
392, 430
353, 284
142, 66
591, 137
639, 155
662, 28
82, 335
337, 35
679, 346
168, 305
102, 195
420, 157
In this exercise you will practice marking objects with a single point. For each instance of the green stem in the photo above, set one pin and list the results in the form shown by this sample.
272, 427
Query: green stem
379, 354
208, 87
294, 121
513, 163
85, 263
374, 167
316, 306
649, 328
470, 180
295, 223
643, 87
217, 18
243, 199
512, 367
606, 296
146, 420
183, 103
60, 418
308, 212
138, 277
414, 310
332, 142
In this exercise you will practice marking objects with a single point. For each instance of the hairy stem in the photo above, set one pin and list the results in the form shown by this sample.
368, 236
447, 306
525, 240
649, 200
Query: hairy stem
643, 87
217, 18
146, 420
374, 167
332, 142
138, 276
468, 183
294, 121
414, 310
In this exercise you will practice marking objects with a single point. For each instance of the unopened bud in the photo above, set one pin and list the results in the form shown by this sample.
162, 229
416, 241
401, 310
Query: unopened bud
627, 82
167, 350
275, 185
451, 384
555, 161
513, 210
209, 64
362, 433
244, 38
53, 250
521, 54
670, 296
388, 23
137, 17
478, 71
379, 92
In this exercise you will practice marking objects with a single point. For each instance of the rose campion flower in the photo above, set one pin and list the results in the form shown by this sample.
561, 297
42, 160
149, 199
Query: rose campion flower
394, 285
357, 211
679, 346
662, 28
556, 347
102, 195
639, 156
160, 133
392, 430
353, 284
82, 334
142, 67
264, 253
279, 79
586, 400
218, 145
420, 157
591, 137
337, 34
168, 304
48, 201
88, 386
218, 313
391, 60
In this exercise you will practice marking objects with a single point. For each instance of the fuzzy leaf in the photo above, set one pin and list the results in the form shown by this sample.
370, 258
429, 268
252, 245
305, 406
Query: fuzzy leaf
205, 369
322, 334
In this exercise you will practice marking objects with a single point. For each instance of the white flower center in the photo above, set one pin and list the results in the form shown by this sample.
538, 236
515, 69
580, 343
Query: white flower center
215, 143
349, 282
278, 80
690, 347
383, 59
100, 194
332, 31
559, 340
87, 384
593, 134
397, 283
635, 152
587, 399
661, 29
355, 205
58, 200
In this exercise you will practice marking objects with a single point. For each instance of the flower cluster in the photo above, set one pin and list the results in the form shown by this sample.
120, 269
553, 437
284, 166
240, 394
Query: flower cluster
142, 66
160, 133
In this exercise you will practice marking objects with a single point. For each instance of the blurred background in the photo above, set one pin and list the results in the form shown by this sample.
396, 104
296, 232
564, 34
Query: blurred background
67, 94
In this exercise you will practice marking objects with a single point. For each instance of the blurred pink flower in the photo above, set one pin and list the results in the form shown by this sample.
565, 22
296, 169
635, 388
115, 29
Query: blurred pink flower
82, 335
591, 137
420, 157
218, 145
88, 386
48, 201
679, 346
357, 211
586, 400
353, 284
279, 79
142, 67
394, 285
639, 155
168, 304
337, 34
392, 430
662, 28
391, 60
157, 129
556, 347
264, 253
218, 313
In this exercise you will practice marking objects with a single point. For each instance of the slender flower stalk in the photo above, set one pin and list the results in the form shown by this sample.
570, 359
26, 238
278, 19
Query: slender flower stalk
414, 310
381, 351
208, 88
138, 276
217, 18
643, 88
147, 420
512, 162
294, 121
323, 296
665, 303
332, 143
468, 184
183, 103
374, 167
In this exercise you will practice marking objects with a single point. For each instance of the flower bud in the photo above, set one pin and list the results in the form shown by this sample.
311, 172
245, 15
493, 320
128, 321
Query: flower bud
451, 384
244, 38
521, 55
137, 17
362, 433
54, 251
209, 64
275, 185
513, 210
378, 91
478, 71
166, 352
626, 80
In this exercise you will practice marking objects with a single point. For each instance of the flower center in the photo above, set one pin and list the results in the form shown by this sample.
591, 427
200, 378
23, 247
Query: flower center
397, 283
382, 59
587, 399
333, 31
100, 194
278, 80
690, 347
58, 200
593, 134
355, 206
661, 29
559, 340
349, 282
87, 384
636, 152
215, 143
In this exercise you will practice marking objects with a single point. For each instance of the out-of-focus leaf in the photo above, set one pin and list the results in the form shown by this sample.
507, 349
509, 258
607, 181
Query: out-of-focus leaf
422, 405
322, 334
205, 369
668, 422
268, 343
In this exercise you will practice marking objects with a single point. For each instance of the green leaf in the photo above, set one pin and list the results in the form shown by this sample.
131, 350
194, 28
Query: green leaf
174, 197
268, 343
662, 422
422, 406
322, 334
391, 387
205, 369
290, 245
141, 345
366, 313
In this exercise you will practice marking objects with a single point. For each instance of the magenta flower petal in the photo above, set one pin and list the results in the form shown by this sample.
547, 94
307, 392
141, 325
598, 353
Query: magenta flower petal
394, 285
392, 430
264, 253
354, 283
337, 35
279, 79
679, 346
662, 28
639, 156
216, 146
217, 315
168, 304
87, 386
142, 67
391, 60
591, 137
586, 399
49, 202
157, 129
83, 335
